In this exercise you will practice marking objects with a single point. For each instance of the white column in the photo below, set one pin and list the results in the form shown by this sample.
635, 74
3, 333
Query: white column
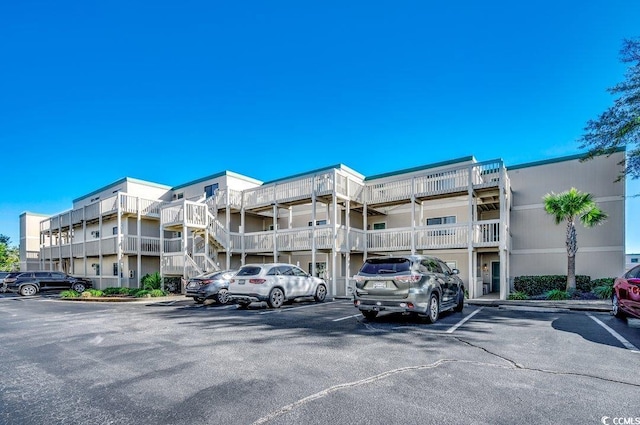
413, 215
334, 248
139, 243
313, 227
473, 293
504, 282
119, 237
275, 232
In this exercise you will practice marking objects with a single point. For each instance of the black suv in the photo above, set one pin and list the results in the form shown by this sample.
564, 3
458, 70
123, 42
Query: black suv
418, 284
30, 283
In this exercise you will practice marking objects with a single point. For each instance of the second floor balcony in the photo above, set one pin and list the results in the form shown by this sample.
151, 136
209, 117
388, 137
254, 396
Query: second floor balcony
478, 234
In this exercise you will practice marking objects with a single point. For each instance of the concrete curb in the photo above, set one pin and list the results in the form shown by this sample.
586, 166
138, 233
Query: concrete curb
568, 305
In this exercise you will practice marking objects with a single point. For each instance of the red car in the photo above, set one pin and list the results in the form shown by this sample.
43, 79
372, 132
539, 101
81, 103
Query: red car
626, 294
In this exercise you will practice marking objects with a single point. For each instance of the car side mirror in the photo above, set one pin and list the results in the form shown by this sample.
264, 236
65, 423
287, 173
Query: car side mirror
455, 271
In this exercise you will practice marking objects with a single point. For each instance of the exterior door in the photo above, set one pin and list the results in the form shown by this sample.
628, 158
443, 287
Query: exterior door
495, 276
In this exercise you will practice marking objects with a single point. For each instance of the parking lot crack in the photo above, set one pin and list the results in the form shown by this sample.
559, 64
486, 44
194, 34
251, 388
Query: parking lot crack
326, 392
519, 366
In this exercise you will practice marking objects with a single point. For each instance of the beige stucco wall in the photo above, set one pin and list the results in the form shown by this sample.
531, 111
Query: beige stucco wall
538, 244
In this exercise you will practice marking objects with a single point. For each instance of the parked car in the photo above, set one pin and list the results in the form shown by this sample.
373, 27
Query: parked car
30, 283
2, 276
274, 283
418, 284
626, 294
213, 285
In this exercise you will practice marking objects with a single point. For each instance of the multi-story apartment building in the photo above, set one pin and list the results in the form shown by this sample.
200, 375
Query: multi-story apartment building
483, 218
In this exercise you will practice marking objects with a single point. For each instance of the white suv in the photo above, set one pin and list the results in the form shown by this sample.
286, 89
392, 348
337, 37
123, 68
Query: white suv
274, 283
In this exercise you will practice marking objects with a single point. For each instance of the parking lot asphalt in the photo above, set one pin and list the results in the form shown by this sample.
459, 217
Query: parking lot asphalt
172, 361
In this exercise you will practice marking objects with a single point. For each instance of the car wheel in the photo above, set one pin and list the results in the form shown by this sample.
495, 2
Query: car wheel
369, 314
198, 300
433, 311
28, 290
79, 287
222, 296
460, 305
321, 293
276, 298
615, 307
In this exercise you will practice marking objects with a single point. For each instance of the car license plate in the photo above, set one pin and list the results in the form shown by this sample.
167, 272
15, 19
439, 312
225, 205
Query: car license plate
241, 282
379, 285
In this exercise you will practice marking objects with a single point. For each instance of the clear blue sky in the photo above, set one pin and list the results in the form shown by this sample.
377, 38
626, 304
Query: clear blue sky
170, 91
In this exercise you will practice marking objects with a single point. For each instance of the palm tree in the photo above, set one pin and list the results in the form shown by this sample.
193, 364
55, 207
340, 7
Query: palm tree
568, 206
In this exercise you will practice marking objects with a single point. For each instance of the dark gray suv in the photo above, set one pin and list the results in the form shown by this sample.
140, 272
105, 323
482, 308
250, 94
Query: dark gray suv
30, 283
418, 284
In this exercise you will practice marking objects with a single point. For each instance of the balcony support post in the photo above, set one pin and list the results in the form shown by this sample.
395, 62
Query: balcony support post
502, 229
413, 216
84, 239
139, 241
227, 224
119, 238
334, 231
313, 227
275, 232
473, 293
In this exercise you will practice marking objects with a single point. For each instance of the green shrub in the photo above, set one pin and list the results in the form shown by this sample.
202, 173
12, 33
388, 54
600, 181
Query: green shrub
69, 294
604, 288
518, 296
557, 294
157, 293
143, 293
537, 285
94, 292
151, 281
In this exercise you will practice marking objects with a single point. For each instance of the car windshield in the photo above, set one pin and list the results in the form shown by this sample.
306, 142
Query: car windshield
386, 265
249, 271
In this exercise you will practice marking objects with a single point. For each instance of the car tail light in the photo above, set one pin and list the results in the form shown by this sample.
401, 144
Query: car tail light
257, 281
359, 278
206, 282
407, 278
356, 303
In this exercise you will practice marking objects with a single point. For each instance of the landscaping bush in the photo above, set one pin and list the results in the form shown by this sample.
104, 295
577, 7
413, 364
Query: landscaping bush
157, 293
69, 294
603, 288
93, 293
143, 293
518, 296
151, 281
538, 285
557, 294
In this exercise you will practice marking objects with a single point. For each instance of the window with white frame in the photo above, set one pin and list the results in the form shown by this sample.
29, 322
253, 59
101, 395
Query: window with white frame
318, 222
435, 221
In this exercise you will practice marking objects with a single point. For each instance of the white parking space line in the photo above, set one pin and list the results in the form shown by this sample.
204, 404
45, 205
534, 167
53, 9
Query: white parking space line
298, 308
453, 328
345, 318
616, 335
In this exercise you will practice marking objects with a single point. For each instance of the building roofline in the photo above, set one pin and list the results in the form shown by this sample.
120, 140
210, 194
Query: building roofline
316, 171
34, 214
216, 175
422, 167
582, 155
122, 180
